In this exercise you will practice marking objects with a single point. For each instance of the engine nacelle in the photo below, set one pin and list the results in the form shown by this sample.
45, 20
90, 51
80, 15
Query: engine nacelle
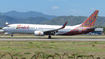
7, 33
38, 33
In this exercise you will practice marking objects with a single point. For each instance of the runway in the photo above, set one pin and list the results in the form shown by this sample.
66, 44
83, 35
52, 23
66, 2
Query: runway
54, 38
19, 39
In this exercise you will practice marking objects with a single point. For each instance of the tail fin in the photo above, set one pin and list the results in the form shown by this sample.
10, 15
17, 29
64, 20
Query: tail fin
90, 22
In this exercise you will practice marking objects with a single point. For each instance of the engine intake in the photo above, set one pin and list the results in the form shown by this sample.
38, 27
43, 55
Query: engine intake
38, 33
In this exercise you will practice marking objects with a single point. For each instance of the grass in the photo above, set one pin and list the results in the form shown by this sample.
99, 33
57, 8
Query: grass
27, 49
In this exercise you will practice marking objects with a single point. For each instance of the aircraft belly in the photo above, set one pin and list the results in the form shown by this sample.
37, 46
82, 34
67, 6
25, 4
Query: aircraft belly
63, 31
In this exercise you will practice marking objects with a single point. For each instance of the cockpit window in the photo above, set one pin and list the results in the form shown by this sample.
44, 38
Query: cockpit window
7, 26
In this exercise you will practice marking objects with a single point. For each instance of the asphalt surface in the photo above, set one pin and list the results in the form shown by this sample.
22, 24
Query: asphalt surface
55, 38
29, 39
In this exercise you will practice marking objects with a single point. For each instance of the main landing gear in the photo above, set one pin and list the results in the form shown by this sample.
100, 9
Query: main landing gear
12, 35
49, 36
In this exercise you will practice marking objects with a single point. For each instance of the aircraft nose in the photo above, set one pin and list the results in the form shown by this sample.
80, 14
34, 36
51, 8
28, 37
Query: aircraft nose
3, 28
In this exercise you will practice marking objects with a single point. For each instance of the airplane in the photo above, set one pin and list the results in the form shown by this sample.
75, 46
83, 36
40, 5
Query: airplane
41, 30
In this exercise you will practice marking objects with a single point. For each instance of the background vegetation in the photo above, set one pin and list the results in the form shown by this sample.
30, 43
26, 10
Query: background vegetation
27, 49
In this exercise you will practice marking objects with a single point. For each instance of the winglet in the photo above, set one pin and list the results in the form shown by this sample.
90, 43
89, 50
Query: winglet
63, 26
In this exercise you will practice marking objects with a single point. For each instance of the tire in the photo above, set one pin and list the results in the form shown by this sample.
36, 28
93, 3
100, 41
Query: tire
11, 35
49, 37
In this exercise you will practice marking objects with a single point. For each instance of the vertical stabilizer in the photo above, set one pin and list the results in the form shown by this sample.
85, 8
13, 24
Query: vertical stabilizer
86, 26
90, 22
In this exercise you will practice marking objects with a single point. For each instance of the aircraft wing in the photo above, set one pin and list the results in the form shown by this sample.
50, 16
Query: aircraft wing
53, 30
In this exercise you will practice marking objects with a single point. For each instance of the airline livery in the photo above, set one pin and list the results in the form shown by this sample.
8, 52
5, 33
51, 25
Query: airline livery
41, 30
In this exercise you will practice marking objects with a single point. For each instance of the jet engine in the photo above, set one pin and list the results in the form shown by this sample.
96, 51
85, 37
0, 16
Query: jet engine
38, 33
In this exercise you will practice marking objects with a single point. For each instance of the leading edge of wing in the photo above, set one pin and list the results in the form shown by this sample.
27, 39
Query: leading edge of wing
56, 29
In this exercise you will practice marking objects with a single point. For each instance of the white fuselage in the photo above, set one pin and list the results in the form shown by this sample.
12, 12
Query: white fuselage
30, 28
36, 29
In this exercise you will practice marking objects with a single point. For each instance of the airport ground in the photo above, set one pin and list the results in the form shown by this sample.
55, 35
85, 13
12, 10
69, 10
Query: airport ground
54, 37
28, 45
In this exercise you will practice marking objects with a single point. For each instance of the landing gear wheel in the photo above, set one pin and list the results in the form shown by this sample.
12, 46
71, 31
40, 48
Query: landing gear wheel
12, 35
49, 37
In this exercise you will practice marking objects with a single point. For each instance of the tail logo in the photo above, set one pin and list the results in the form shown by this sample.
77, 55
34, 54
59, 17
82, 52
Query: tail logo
90, 22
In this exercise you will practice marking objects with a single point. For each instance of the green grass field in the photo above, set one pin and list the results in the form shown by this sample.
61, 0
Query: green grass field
27, 49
